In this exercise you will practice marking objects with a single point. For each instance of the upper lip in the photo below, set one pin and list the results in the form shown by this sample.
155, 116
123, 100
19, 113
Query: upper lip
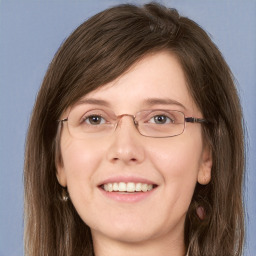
126, 179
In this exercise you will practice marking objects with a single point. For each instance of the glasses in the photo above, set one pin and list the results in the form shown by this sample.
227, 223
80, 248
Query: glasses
156, 123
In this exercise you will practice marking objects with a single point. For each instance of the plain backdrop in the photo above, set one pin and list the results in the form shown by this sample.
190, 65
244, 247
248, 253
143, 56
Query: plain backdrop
30, 34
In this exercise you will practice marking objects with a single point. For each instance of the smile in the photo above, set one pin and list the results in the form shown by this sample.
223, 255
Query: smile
127, 187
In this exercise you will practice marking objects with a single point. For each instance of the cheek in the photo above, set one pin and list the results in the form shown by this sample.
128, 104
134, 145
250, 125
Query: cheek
177, 158
178, 162
80, 161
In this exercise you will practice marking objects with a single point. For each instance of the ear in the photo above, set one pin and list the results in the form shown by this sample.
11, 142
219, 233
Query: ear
204, 174
61, 174
60, 170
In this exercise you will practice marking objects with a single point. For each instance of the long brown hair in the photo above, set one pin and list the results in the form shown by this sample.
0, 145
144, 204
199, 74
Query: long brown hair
97, 52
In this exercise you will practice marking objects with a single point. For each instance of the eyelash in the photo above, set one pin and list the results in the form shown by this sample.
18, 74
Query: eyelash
87, 120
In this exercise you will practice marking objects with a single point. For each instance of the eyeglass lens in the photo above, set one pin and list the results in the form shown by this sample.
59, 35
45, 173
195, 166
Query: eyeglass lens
151, 123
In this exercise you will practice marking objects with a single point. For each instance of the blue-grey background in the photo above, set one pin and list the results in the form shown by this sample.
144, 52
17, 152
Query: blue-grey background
31, 32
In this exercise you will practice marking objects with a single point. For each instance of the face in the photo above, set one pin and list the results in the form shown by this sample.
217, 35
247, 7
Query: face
172, 166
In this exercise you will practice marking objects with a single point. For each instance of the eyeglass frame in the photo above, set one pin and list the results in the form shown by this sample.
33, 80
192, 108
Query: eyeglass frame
118, 117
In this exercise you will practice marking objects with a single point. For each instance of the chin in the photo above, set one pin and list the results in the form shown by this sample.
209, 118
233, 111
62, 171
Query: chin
129, 230
126, 235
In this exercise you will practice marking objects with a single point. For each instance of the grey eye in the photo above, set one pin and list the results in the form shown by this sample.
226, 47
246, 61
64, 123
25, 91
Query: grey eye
161, 119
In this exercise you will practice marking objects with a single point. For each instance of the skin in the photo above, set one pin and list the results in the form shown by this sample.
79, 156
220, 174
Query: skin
154, 225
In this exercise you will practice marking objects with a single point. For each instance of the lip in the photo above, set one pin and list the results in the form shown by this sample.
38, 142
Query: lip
126, 179
127, 197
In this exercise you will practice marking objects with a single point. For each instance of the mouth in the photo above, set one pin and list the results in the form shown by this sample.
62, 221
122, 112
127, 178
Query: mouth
127, 187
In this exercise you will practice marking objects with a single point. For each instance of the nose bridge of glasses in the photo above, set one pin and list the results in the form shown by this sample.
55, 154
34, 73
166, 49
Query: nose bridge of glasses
119, 117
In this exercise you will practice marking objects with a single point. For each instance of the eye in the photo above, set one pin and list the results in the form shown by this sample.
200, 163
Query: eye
161, 119
94, 120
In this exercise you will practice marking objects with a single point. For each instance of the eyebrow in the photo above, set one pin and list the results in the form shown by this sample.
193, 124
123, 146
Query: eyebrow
93, 102
162, 101
148, 102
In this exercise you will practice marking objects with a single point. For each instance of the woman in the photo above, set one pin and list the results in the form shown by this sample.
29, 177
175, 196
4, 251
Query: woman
135, 145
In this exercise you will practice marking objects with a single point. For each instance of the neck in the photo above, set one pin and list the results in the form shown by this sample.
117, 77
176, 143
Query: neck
163, 246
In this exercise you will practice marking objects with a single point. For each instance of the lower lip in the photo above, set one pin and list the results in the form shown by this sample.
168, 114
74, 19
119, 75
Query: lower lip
127, 197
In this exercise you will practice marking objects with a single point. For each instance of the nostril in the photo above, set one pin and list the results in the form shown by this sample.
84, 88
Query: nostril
132, 159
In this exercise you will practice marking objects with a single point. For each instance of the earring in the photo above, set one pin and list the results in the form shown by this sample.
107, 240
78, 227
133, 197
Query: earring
200, 212
64, 195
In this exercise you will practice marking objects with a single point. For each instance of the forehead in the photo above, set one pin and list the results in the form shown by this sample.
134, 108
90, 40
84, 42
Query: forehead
157, 79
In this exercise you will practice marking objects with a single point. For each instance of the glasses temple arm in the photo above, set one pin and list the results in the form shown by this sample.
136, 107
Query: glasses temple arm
62, 120
195, 120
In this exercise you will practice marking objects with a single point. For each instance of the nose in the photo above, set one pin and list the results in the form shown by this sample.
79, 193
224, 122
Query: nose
126, 143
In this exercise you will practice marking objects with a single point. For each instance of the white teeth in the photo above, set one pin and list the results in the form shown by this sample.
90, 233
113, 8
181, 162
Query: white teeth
127, 187
115, 186
144, 187
130, 187
110, 187
138, 186
150, 187
122, 187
